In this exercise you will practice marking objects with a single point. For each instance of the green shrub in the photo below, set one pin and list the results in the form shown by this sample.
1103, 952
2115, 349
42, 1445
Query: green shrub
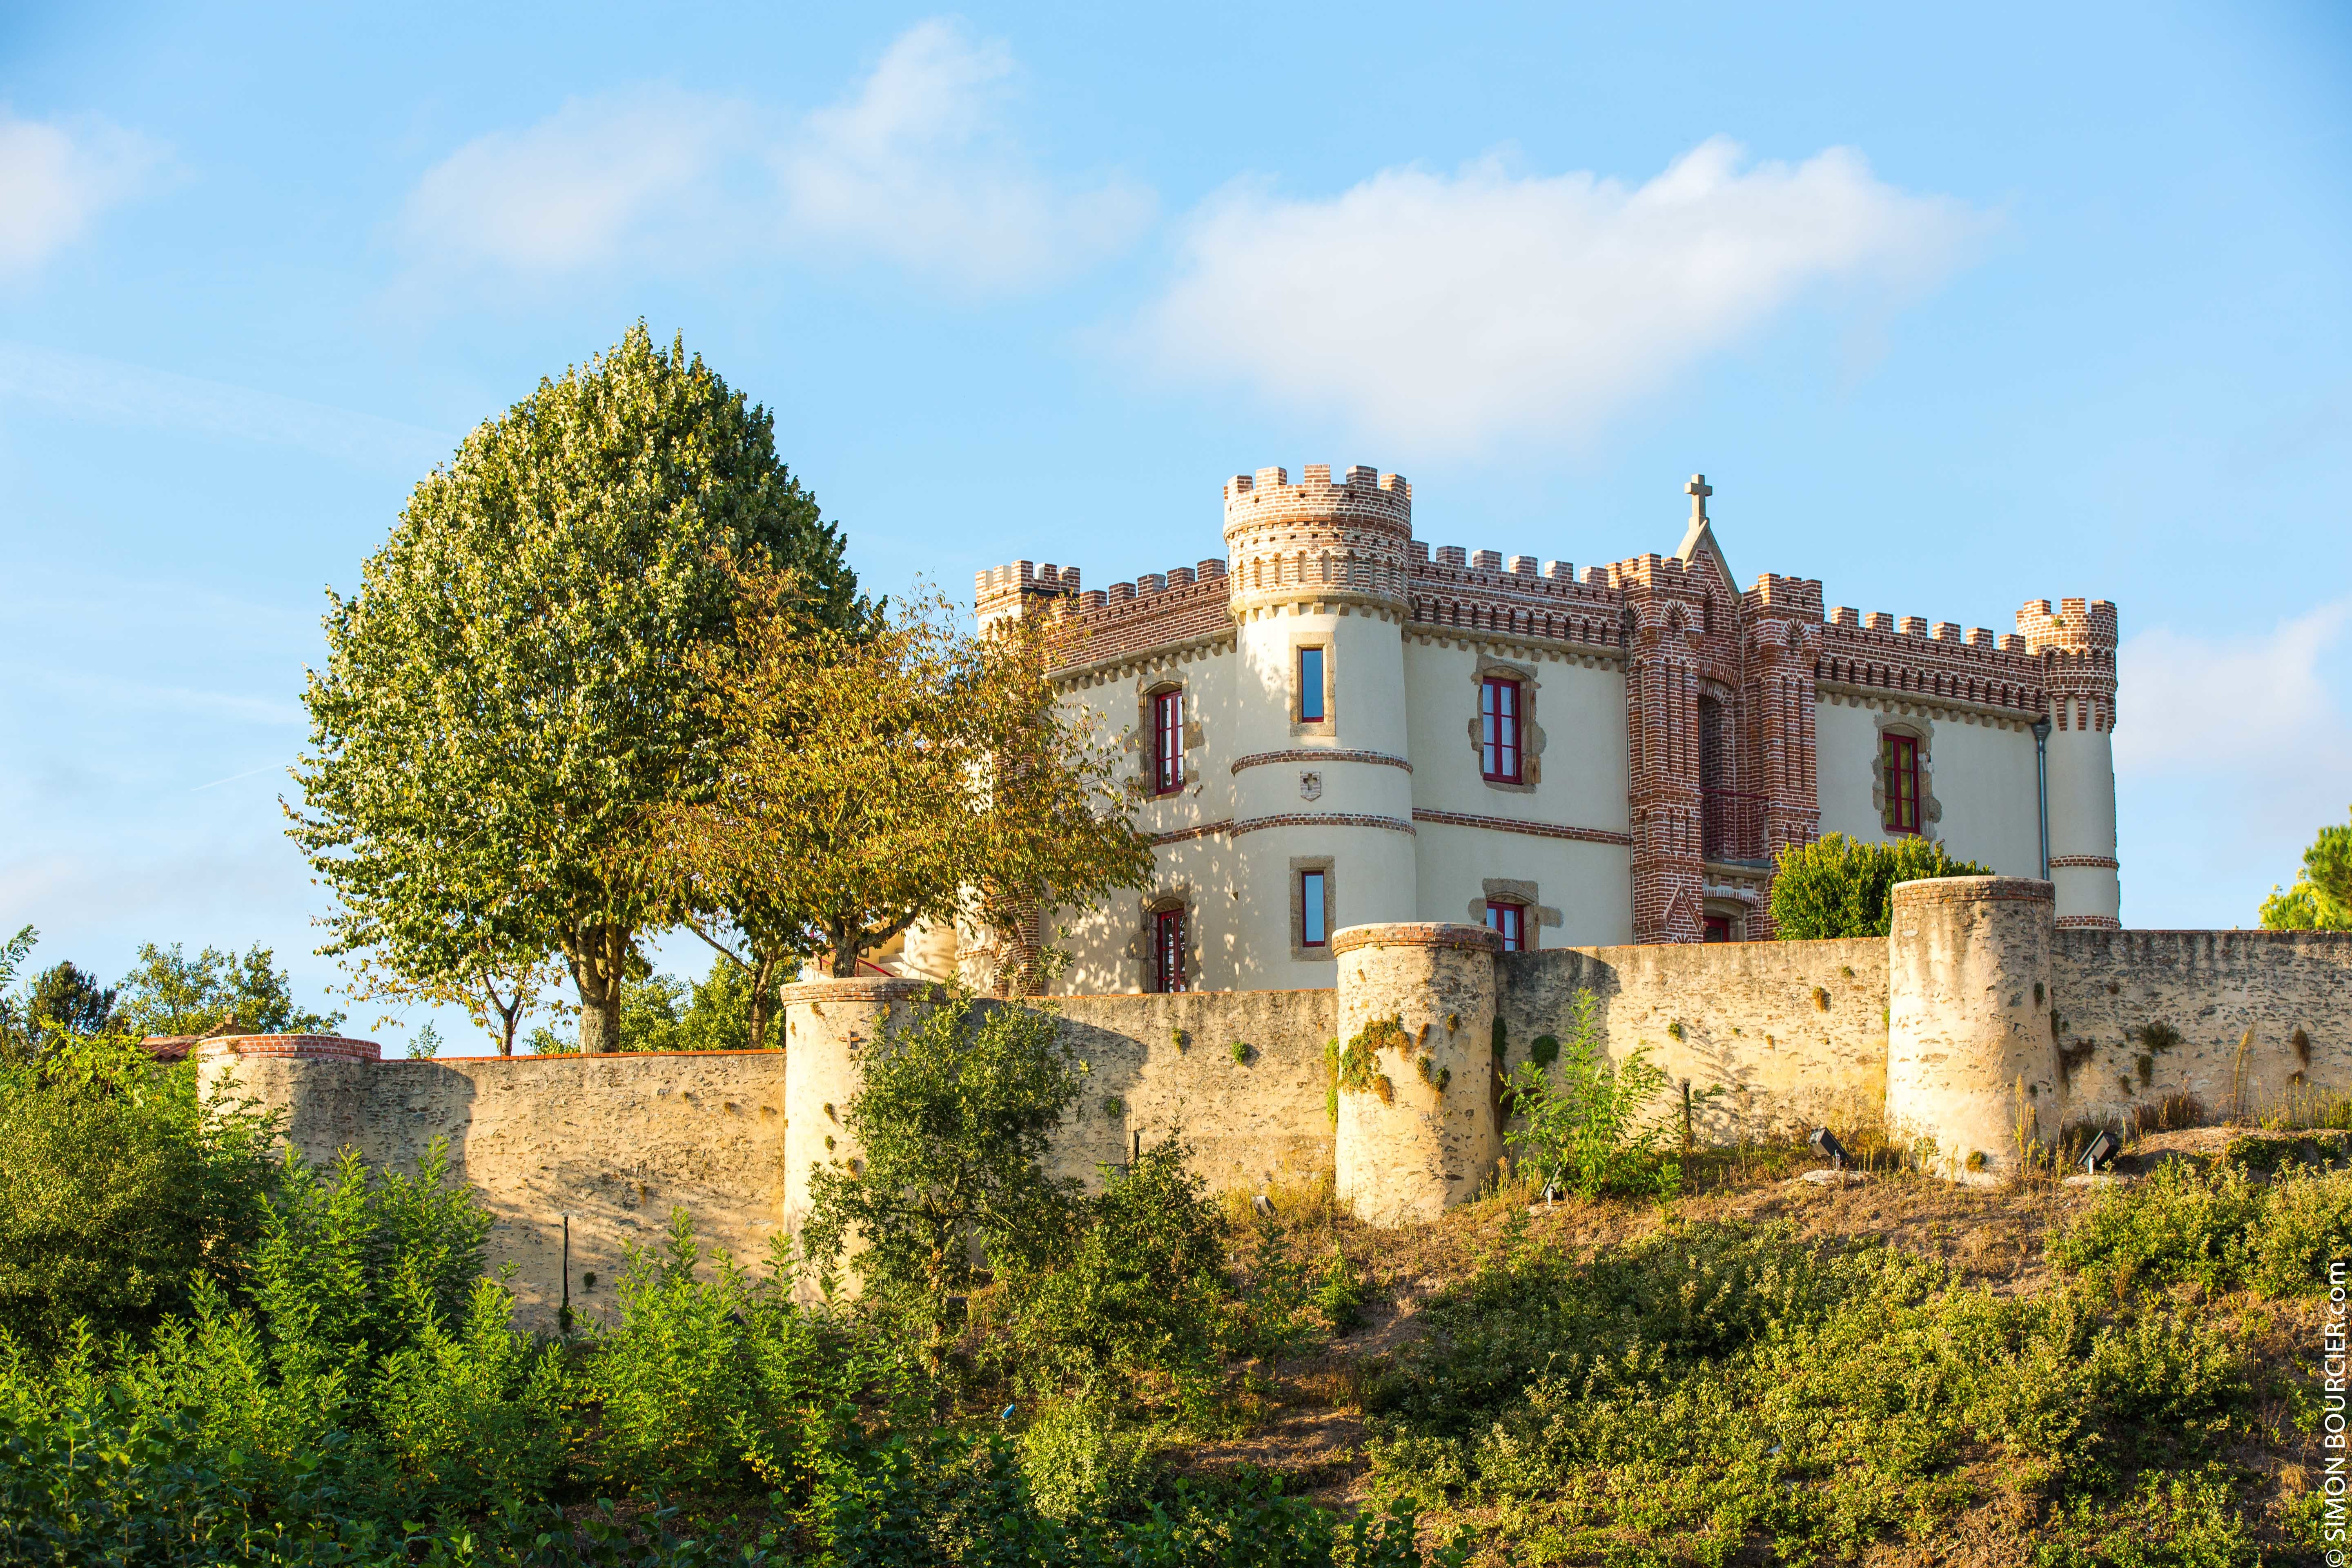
1079, 1460
1841, 887
118, 1191
1140, 1288
956, 1114
2220, 1227
1591, 1129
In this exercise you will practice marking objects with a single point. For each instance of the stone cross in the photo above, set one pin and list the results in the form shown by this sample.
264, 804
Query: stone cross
1698, 489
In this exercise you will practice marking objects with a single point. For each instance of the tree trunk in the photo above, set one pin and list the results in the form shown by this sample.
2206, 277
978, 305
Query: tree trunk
597, 965
763, 997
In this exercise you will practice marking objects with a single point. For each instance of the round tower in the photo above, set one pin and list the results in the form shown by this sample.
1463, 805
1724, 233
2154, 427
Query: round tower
1416, 1131
1971, 1052
829, 1026
318, 1081
2076, 645
1316, 571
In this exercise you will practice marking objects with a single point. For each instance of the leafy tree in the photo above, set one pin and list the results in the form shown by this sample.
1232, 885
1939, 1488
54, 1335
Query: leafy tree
954, 1118
66, 1000
496, 995
16, 1037
169, 992
118, 1189
515, 684
2321, 899
1841, 887
901, 773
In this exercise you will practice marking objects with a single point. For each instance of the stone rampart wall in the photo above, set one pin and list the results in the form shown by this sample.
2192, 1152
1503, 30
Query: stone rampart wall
1793, 1032
2187, 1001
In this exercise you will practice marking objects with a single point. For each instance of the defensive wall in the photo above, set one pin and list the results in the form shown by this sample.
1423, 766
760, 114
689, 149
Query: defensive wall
1978, 1017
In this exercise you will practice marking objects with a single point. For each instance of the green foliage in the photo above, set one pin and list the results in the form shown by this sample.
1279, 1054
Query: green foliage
2321, 899
954, 1114
1841, 887
2222, 1228
169, 992
512, 690
1588, 1126
118, 1192
721, 1381
1359, 1059
1716, 1384
1080, 1459
1141, 1288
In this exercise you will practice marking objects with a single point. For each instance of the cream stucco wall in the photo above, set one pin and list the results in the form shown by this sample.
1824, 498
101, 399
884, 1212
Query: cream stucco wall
1981, 774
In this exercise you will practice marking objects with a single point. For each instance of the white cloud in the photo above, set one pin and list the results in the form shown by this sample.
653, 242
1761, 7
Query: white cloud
632, 174
90, 387
1449, 309
2260, 704
915, 166
54, 181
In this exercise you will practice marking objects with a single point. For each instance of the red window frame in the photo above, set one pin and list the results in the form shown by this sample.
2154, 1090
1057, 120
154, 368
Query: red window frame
1310, 684
1899, 761
1168, 949
1499, 713
1167, 742
1511, 921
1314, 909
1717, 928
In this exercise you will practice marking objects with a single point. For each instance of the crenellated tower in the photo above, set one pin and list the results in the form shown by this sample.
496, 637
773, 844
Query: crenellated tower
1318, 568
2076, 647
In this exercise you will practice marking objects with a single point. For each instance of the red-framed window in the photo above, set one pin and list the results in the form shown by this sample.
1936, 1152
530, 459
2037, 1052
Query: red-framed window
1310, 686
1718, 928
1313, 912
1167, 742
1167, 949
1899, 758
1498, 728
1509, 920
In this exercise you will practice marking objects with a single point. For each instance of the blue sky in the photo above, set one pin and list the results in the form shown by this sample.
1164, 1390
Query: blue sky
1955, 310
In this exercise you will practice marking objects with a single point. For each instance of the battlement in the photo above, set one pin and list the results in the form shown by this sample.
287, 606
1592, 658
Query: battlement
1784, 596
1363, 487
2077, 625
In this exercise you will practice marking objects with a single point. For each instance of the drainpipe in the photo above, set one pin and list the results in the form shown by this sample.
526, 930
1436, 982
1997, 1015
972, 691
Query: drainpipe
2042, 785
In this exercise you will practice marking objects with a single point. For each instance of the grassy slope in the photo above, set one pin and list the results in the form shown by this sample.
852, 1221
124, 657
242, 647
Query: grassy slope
1315, 1428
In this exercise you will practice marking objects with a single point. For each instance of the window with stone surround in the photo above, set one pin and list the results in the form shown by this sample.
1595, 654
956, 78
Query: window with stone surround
1498, 730
1168, 949
1167, 742
1508, 920
1899, 768
1314, 914
1310, 684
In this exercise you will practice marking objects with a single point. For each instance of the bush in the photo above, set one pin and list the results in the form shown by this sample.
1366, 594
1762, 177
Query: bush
118, 1191
1141, 1288
1588, 1129
955, 1115
1079, 1460
1841, 887
2220, 1227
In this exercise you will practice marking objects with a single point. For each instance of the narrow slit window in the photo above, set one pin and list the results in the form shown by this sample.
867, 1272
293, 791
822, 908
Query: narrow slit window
1901, 760
1167, 949
1313, 927
1508, 920
1310, 686
1167, 743
1498, 730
